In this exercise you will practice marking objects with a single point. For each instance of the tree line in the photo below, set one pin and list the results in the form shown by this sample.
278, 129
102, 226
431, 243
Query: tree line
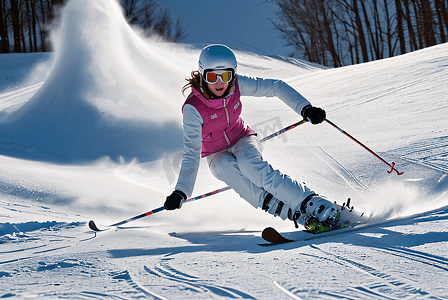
25, 25
343, 32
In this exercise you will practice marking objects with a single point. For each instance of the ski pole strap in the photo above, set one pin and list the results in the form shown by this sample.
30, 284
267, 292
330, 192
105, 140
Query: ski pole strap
392, 165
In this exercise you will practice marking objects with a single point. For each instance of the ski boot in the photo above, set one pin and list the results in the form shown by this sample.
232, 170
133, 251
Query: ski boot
275, 207
346, 216
315, 213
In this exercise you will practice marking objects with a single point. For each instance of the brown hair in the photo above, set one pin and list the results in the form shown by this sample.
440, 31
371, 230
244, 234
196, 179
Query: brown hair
196, 82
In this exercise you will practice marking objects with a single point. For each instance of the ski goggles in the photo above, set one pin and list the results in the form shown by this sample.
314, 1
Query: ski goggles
213, 76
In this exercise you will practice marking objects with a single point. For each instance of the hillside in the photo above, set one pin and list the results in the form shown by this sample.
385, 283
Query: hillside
94, 132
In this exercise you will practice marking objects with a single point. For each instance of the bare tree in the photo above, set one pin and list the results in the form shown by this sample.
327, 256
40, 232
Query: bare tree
442, 18
139, 12
400, 31
153, 19
427, 22
15, 22
33, 20
294, 27
339, 31
163, 24
328, 32
309, 26
360, 31
411, 32
179, 32
27, 23
4, 38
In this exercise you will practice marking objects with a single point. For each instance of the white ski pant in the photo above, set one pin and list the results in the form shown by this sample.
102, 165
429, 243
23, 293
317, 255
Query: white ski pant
242, 168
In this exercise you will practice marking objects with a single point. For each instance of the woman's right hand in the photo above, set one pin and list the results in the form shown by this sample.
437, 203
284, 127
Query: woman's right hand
175, 200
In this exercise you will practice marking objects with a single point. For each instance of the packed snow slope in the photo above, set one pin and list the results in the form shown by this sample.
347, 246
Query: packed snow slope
94, 132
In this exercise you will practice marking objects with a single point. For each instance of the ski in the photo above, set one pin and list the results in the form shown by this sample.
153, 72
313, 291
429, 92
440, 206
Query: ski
347, 217
93, 226
273, 237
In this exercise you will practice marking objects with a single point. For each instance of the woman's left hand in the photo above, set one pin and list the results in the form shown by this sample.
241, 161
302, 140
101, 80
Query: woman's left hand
315, 115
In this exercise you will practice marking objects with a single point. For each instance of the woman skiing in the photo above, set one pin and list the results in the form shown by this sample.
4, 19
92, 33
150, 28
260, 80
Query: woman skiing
213, 128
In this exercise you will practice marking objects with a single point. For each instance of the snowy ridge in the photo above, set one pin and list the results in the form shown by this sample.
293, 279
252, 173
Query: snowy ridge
94, 132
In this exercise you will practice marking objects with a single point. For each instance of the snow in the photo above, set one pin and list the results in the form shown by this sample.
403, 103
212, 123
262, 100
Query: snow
94, 132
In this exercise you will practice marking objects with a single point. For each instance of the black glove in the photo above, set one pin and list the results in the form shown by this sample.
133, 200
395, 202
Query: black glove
315, 115
175, 200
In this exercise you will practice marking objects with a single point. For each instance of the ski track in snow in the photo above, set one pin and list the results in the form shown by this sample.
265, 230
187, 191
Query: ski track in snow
175, 272
366, 258
349, 179
385, 285
432, 153
195, 285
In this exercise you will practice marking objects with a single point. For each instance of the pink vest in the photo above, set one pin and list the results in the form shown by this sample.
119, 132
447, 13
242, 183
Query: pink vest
223, 126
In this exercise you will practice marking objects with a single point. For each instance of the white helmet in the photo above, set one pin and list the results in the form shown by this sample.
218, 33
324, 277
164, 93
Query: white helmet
215, 57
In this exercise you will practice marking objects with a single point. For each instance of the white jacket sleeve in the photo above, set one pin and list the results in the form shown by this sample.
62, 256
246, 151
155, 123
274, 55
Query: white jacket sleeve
259, 87
192, 126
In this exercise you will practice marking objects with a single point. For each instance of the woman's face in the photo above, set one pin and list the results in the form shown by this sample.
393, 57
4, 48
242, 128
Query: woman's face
218, 88
221, 79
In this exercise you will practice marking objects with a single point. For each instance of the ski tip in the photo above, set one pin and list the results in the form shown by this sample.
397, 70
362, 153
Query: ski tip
93, 226
271, 235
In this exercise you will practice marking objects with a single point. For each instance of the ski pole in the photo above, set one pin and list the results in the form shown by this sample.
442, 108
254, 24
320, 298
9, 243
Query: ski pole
392, 166
94, 227
292, 126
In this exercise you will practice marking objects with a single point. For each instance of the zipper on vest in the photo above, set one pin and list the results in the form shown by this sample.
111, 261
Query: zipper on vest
228, 122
